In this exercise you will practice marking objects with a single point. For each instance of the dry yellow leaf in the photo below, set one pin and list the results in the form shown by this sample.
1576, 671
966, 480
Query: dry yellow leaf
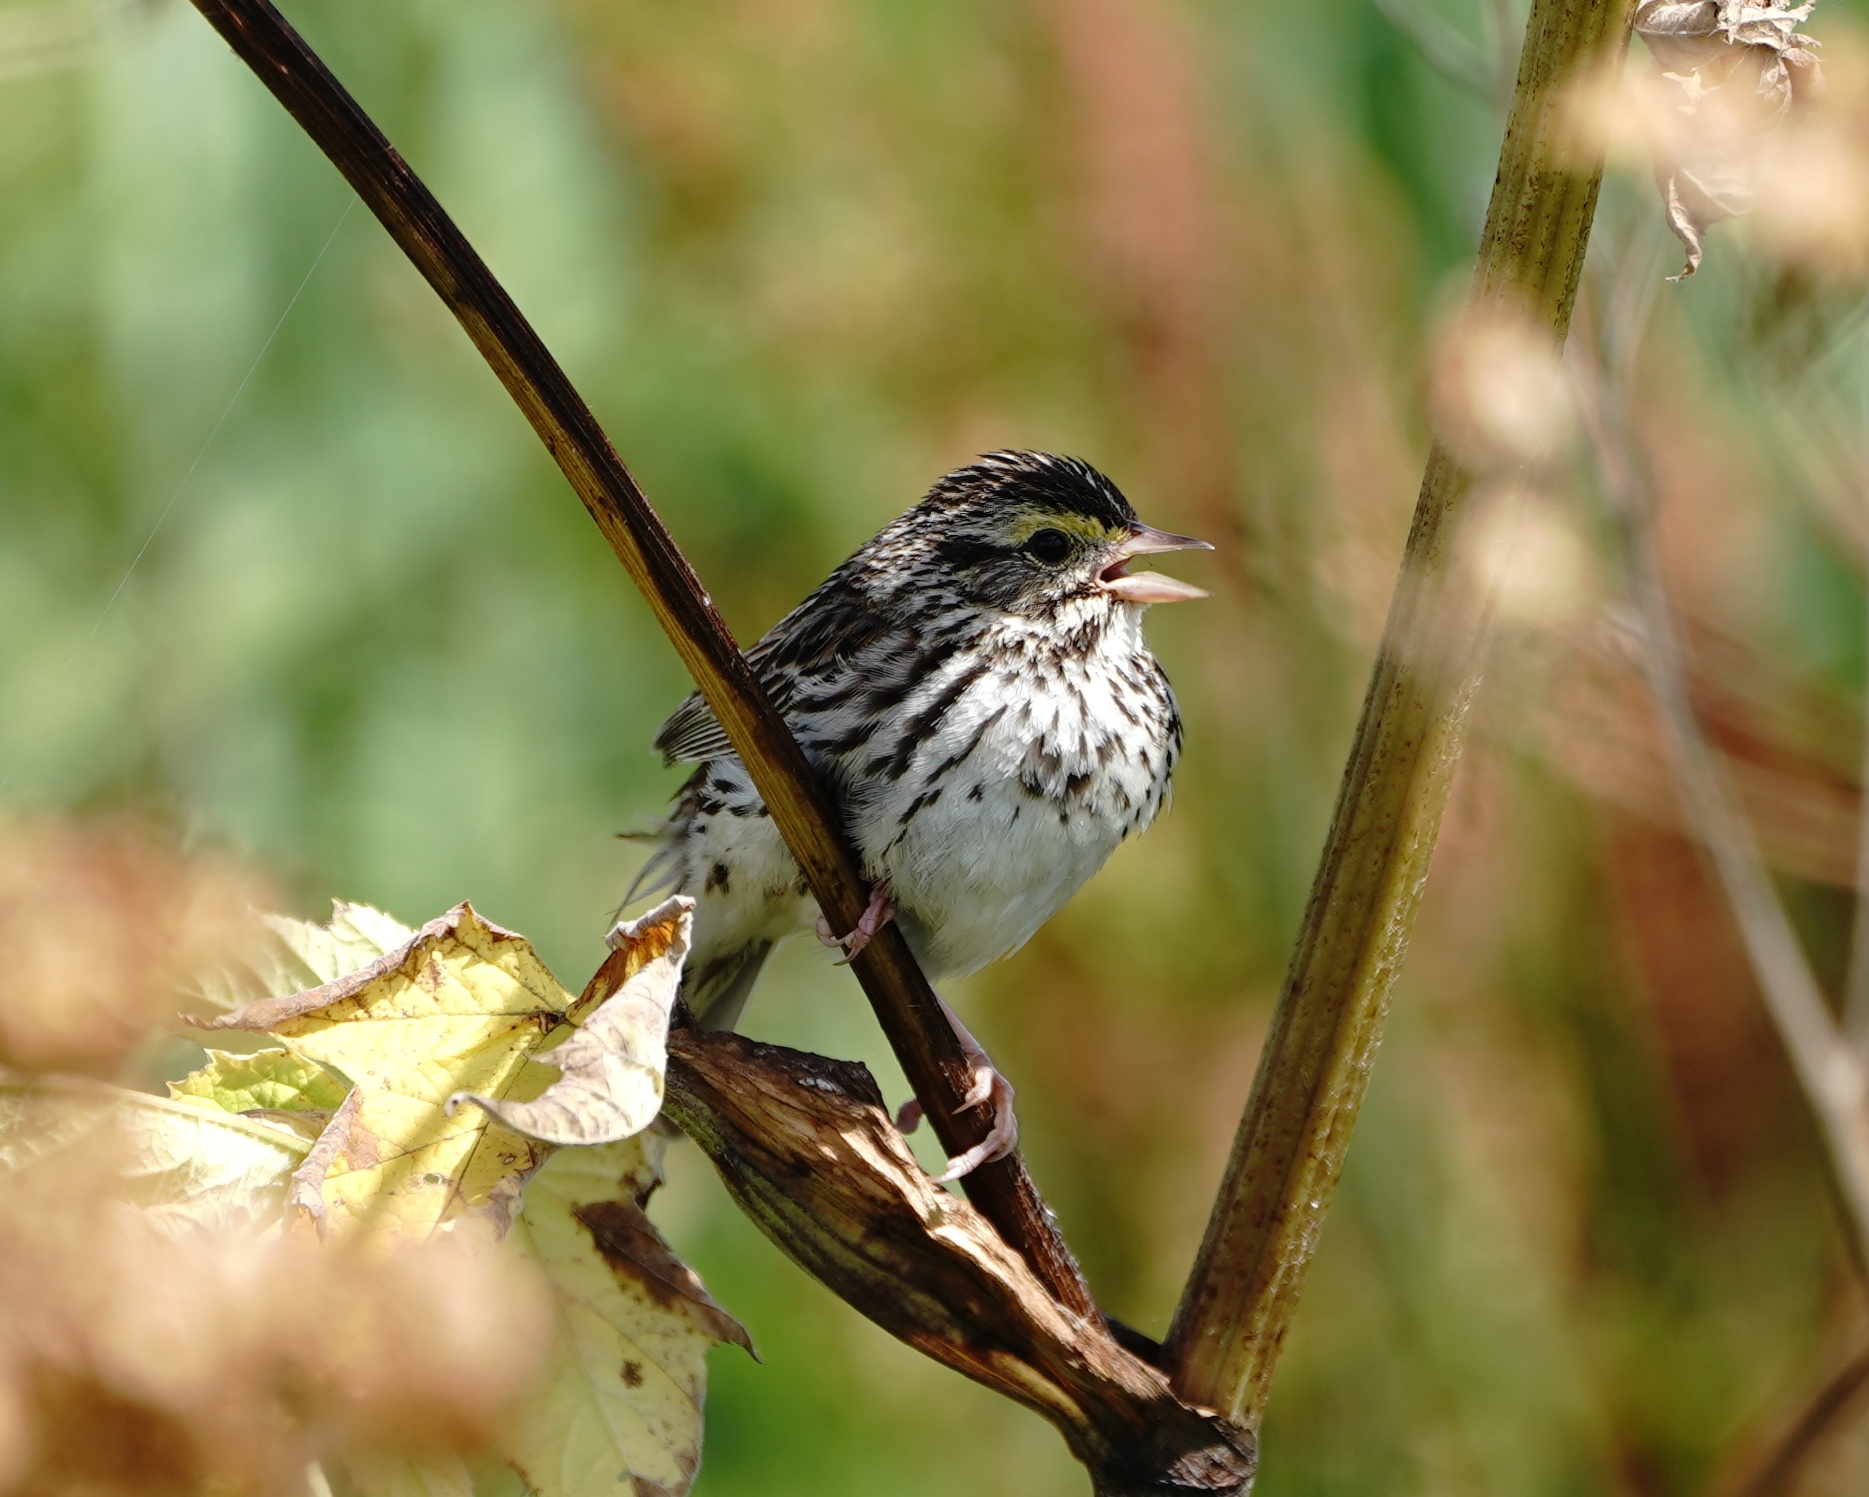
619, 1406
460, 1006
611, 1066
409, 1476
186, 1165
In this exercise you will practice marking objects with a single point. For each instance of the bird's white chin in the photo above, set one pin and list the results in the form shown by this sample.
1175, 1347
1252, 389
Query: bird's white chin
1147, 587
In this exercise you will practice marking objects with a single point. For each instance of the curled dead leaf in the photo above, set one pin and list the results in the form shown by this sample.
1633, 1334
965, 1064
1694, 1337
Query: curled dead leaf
1725, 74
305, 1192
610, 1082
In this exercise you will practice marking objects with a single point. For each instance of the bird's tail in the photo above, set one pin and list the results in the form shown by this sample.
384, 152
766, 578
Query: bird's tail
716, 989
661, 873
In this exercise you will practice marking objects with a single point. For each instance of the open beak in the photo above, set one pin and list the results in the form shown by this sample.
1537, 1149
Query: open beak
1149, 587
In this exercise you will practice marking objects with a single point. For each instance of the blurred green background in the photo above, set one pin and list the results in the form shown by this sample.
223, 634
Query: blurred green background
282, 571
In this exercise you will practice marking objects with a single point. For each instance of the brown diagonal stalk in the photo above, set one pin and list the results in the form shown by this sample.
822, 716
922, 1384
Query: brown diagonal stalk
1238, 1305
905, 1004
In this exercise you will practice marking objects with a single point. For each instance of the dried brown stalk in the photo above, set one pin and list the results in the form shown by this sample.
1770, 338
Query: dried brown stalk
905, 1004
806, 1147
1238, 1305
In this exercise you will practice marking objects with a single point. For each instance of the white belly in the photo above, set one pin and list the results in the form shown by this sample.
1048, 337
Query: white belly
976, 885
982, 853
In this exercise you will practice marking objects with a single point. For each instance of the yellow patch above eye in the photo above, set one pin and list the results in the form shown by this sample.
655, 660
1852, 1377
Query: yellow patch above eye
1082, 527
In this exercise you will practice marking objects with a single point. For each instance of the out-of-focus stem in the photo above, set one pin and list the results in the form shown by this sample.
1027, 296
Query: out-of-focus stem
1830, 1072
1828, 1068
1238, 1304
1828, 1414
1856, 980
906, 1007
1856, 992
1443, 47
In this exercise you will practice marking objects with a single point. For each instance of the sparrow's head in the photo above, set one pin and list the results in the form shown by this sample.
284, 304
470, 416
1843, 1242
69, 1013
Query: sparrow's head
1027, 532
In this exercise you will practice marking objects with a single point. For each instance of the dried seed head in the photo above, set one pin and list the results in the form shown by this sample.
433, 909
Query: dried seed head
1737, 120
1533, 562
1499, 395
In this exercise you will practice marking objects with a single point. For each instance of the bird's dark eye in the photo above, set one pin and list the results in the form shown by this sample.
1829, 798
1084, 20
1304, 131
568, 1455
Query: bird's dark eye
1049, 546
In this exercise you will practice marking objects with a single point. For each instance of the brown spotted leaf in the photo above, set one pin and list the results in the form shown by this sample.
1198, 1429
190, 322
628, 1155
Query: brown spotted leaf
619, 1407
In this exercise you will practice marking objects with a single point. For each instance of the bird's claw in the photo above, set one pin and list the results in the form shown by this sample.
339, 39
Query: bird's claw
986, 1083
878, 913
989, 1089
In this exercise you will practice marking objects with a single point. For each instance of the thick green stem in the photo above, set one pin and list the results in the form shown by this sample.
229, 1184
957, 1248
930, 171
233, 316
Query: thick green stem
1239, 1302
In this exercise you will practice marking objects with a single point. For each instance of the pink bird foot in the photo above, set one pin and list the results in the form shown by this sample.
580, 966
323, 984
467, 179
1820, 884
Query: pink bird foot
879, 912
989, 1089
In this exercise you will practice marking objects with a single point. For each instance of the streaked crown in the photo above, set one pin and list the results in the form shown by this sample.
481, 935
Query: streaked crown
1026, 532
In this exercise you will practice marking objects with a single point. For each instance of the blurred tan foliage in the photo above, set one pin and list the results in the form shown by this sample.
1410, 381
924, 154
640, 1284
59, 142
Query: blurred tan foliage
1499, 395
153, 1352
135, 1359
104, 930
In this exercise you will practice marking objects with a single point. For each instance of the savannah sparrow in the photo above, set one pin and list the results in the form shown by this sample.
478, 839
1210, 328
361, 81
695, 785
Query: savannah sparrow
974, 686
